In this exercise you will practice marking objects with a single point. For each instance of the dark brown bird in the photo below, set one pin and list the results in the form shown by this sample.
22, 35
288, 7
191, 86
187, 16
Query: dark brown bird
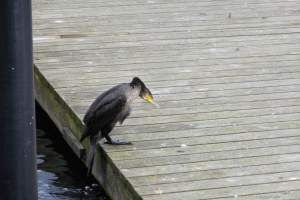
109, 108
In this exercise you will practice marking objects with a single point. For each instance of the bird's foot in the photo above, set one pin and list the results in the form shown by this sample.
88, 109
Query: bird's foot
117, 142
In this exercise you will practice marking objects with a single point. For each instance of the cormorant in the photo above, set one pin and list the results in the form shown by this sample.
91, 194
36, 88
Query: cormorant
109, 108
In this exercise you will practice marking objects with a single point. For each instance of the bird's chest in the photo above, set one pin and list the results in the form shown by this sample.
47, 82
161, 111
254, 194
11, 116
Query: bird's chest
130, 98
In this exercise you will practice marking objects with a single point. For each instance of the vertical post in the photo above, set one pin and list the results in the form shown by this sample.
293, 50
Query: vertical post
18, 176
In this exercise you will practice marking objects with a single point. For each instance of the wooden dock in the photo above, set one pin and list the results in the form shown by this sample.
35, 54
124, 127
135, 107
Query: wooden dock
225, 73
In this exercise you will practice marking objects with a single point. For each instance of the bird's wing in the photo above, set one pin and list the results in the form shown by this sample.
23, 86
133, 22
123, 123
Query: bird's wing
107, 109
95, 104
104, 111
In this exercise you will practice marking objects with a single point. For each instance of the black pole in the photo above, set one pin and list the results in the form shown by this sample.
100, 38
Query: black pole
18, 177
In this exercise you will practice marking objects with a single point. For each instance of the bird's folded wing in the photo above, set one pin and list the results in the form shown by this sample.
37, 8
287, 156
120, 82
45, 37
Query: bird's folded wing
105, 111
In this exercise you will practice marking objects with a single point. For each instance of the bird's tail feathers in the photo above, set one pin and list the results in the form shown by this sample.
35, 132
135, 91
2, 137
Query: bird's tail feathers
90, 158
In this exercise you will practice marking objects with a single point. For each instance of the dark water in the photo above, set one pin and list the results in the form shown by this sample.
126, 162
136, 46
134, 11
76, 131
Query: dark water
61, 175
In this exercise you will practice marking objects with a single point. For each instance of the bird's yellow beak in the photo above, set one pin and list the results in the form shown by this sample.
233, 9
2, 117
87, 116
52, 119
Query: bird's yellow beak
150, 99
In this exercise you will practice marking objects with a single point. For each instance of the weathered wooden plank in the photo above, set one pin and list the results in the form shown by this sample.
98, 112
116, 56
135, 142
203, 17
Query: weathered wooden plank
263, 24
104, 84
213, 174
73, 142
285, 195
152, 76
206, 157
173, 49
151, 18
126, 4
154, 21
142, 41
150, 8
220, 183
162, 41
173, 142
175, 72
210, 165
190, 57
230, 192
202, 63
209, 141
196, 30
147, 143
274, 112
176, 80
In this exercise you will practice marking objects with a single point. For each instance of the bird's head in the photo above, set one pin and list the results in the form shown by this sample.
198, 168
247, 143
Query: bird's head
145, 92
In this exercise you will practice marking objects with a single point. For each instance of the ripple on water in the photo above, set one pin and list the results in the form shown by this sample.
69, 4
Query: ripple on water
58, 178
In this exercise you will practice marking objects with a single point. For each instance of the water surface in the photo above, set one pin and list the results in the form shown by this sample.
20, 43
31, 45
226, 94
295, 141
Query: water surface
61, 174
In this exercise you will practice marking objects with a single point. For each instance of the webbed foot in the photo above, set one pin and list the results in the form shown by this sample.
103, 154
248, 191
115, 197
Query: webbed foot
116, 142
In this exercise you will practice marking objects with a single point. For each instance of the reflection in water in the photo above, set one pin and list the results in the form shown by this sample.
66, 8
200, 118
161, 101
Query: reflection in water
61, 175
